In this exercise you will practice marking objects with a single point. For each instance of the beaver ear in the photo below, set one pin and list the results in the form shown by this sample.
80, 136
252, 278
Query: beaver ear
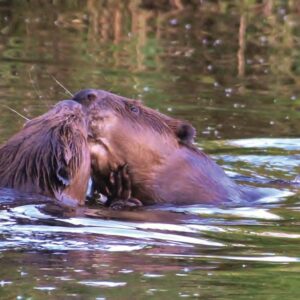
185, 132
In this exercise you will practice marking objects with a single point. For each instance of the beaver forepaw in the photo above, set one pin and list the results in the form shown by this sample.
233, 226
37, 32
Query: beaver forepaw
128, 204
119, 191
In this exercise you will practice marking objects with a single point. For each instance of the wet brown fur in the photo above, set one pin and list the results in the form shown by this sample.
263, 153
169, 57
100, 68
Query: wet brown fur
165, 166
50, 155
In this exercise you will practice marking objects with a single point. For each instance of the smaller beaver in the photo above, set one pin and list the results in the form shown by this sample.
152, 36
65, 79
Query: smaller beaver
50, 155
164, 165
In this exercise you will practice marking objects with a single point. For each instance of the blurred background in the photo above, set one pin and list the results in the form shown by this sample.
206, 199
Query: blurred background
230, 67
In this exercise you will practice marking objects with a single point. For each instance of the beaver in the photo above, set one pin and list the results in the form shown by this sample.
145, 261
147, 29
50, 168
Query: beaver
164, 165
50, 155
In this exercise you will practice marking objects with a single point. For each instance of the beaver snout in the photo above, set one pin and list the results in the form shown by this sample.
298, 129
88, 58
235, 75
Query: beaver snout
85, 97
88, 96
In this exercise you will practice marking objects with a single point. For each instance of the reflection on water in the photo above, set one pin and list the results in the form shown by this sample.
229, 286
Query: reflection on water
186, 252
223, 66
232, 69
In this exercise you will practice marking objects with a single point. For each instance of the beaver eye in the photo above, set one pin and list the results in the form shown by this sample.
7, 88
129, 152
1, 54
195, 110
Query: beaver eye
134, 109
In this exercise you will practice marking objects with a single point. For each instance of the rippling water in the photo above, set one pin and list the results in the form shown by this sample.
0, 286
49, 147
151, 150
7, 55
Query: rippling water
232, 69
191, 251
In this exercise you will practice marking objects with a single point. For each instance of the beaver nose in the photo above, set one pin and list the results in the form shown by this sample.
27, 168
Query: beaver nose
85, 96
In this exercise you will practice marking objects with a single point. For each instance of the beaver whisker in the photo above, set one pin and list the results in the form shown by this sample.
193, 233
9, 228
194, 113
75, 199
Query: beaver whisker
16, 112
61, 85
35, 86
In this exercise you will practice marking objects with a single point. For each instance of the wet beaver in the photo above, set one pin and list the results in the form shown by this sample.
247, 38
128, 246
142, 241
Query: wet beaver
50, 155
164, 165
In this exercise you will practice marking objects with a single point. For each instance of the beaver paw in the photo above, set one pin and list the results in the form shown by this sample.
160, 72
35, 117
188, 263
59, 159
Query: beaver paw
119, 191
126, 204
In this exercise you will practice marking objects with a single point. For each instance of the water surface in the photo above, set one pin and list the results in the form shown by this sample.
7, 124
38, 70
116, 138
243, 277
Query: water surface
229, 67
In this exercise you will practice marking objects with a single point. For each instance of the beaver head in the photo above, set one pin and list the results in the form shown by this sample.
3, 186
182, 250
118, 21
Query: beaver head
50, 155
123, 130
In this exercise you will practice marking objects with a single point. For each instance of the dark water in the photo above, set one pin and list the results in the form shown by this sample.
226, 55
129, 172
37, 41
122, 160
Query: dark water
232, 68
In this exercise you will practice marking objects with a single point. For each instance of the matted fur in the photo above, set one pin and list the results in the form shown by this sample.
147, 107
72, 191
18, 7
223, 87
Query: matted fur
49, 155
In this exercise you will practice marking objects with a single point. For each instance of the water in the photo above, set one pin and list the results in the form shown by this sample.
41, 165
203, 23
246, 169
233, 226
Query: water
230, 68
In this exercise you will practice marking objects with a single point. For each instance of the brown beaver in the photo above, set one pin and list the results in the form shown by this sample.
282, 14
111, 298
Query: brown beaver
50, 155
164, 165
